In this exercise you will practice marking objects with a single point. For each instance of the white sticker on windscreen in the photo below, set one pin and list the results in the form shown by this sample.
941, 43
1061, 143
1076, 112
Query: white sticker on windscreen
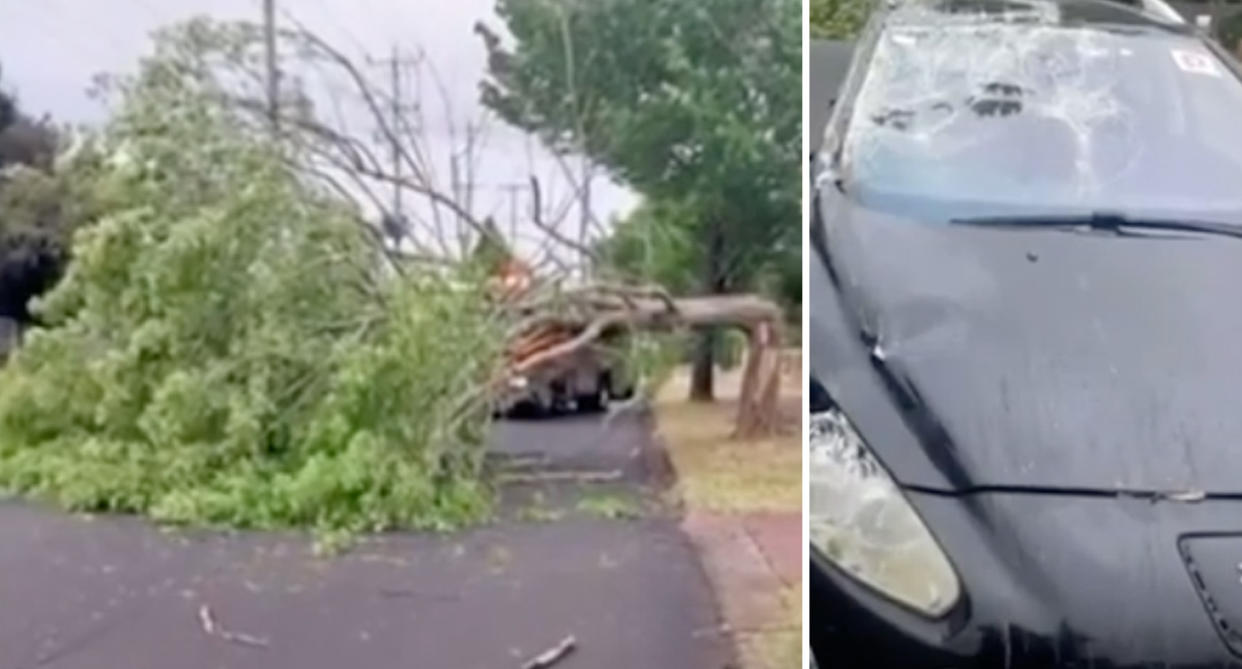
1195, 63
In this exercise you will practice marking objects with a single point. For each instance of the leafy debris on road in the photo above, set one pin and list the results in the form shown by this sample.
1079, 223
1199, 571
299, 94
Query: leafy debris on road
611, 507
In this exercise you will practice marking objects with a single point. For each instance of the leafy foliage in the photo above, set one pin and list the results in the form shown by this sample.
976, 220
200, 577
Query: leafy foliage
654, 243
8, 110
490, 251
1230, 32
226, 346
837, 19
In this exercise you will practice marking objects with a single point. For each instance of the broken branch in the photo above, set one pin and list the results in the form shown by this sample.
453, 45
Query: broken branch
552, 655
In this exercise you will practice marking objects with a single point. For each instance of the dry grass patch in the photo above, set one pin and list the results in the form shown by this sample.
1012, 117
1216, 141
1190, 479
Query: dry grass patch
716, 472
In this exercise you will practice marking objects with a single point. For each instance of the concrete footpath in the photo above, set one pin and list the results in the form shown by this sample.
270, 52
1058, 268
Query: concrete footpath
604, 564
754, 562
742, 510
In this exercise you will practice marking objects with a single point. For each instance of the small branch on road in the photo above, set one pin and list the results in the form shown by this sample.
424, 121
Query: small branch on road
212, 628
634, 405
552, 655
714, 630
552, 477
407, 593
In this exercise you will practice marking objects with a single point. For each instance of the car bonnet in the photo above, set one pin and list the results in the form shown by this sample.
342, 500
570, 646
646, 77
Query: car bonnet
1053, 359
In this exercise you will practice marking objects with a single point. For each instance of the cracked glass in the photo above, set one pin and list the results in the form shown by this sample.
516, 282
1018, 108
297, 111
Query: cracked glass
1031, 110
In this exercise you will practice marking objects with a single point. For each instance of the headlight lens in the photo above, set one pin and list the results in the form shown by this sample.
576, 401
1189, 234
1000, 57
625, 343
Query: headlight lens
861, 522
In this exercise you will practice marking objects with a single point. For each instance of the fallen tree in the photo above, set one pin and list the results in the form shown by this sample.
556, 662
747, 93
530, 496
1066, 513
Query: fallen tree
593, 310
451, 229
227, 346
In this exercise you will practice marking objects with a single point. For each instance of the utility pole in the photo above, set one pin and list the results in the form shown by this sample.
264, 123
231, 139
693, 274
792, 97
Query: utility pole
513, 189
455, 182
394, 73
273, 75
461, 182
394, 63
584, 212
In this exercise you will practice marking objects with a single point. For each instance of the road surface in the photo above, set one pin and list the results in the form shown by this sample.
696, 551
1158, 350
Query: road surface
117, 593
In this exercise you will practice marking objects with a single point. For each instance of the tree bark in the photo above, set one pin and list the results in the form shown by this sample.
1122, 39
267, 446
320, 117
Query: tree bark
757, 411
703, 371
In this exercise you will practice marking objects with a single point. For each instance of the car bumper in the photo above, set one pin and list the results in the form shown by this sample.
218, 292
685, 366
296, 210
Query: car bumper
1052, 581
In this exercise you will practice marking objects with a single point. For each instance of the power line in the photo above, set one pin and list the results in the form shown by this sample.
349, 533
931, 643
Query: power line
340, 25
150, 9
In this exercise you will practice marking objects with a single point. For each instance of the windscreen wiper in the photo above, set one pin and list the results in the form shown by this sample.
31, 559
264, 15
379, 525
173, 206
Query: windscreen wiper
1106, 222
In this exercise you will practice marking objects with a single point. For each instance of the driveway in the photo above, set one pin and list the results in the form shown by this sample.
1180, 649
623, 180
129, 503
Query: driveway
118, 593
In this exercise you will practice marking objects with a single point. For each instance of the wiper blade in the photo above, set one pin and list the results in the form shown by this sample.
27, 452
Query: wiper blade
1105, 221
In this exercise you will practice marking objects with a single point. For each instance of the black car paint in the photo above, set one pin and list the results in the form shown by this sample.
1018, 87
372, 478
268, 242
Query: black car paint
1054, 359
1050, 578
1036, 394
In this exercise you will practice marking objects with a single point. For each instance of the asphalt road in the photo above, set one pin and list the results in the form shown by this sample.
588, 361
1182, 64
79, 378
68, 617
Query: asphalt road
118, 593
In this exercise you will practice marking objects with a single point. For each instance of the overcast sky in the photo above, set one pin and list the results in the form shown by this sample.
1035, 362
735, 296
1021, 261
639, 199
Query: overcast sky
49, 49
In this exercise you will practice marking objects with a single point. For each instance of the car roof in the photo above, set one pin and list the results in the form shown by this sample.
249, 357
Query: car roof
1076, 12
1155, 8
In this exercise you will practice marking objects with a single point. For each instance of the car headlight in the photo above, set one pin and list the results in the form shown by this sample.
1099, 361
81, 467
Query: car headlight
861, 522
518, 382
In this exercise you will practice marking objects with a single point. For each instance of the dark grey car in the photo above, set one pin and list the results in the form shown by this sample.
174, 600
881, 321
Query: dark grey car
1024, 325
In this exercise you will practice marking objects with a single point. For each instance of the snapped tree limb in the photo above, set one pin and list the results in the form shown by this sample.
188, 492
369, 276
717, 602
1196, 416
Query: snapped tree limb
590, 312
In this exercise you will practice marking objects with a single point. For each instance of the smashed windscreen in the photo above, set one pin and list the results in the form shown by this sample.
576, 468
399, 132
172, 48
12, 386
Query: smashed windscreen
976, 117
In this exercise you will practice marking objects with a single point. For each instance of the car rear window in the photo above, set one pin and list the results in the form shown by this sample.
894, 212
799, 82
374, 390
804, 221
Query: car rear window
979, 117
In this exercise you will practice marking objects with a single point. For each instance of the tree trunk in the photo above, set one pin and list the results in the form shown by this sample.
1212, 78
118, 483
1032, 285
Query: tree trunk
715, 281
702, 377
757, 412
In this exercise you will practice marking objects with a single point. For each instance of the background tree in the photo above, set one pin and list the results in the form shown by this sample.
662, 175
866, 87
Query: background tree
837, 19
691, 102
34, 204
654, 243
1230, 31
